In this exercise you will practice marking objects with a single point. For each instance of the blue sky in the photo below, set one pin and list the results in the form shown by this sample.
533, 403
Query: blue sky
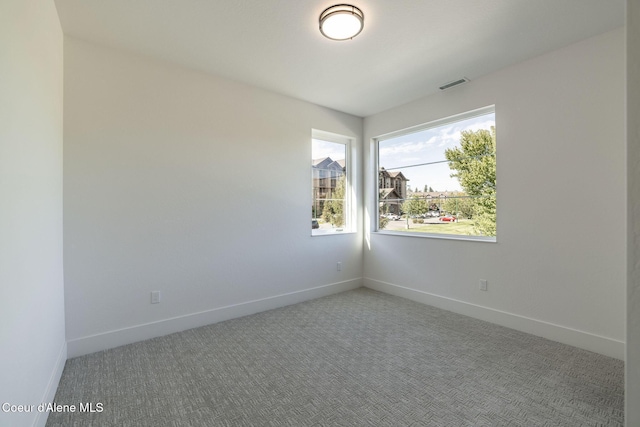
321, 149
428, 146
415, 148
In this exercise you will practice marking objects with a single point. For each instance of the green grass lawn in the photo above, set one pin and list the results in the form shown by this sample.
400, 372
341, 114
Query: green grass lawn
463, 227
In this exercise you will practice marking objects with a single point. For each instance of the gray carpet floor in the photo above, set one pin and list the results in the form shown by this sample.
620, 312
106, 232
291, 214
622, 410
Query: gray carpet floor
359, 358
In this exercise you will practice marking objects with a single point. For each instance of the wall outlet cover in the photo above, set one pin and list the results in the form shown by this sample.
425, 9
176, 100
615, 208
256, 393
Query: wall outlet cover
155, 297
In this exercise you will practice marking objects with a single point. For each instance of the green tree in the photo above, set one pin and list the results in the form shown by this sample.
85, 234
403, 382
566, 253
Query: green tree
474, 163
460, 204
414, 206
333, 211
383, 210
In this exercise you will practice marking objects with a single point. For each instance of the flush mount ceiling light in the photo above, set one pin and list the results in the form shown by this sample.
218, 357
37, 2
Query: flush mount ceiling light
341, 22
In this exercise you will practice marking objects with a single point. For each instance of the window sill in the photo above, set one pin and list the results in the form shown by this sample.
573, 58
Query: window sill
438, 236
334, 232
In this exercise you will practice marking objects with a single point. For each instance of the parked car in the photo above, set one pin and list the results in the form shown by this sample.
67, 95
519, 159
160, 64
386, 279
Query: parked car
314, 224
393, 217
448, 218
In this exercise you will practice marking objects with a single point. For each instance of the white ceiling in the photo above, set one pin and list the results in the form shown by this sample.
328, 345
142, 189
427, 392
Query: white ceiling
408, 48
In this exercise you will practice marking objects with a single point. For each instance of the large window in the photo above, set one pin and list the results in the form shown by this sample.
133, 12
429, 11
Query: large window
440, 178
331, 207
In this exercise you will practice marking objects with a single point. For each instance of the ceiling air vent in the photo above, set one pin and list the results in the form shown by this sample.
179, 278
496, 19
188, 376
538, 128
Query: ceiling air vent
454, 83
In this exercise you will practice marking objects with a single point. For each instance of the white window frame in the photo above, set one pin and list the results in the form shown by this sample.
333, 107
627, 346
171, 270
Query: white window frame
349, 211
413, 129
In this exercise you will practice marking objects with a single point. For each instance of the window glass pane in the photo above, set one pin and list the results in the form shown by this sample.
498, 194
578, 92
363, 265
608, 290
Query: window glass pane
440, 179
329, 186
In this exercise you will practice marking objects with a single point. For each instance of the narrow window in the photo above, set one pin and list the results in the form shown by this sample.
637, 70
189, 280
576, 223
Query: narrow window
330, 209
444, 176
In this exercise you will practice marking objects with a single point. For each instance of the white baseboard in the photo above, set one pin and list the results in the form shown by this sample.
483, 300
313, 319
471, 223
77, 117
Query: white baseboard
116, 338
574, 337
52, 386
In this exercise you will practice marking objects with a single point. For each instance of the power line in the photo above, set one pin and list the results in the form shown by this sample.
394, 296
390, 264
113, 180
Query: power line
439, 161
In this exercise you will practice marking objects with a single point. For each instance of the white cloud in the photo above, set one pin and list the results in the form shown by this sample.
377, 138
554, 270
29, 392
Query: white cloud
407, 147
428, 146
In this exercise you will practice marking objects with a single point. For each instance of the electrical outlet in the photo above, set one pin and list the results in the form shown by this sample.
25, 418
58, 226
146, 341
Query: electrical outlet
339, 266
483, 285
155, 297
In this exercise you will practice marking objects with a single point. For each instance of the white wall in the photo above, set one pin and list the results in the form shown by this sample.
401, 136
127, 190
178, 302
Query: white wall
632, 392
558, 267
189, 184
32, 341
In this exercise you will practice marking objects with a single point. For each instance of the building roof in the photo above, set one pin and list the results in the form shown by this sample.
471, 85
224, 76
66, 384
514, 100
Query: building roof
393, 174
397, 174
389, 193
328, 163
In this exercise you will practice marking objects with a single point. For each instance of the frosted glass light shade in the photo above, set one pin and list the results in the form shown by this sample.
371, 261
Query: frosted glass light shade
341, 22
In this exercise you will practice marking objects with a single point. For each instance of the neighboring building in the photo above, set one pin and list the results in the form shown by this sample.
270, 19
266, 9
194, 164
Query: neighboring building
393, 180
326, 173
393, 190
390, 201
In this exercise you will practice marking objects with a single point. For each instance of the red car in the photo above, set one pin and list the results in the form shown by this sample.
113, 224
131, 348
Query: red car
448, 218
